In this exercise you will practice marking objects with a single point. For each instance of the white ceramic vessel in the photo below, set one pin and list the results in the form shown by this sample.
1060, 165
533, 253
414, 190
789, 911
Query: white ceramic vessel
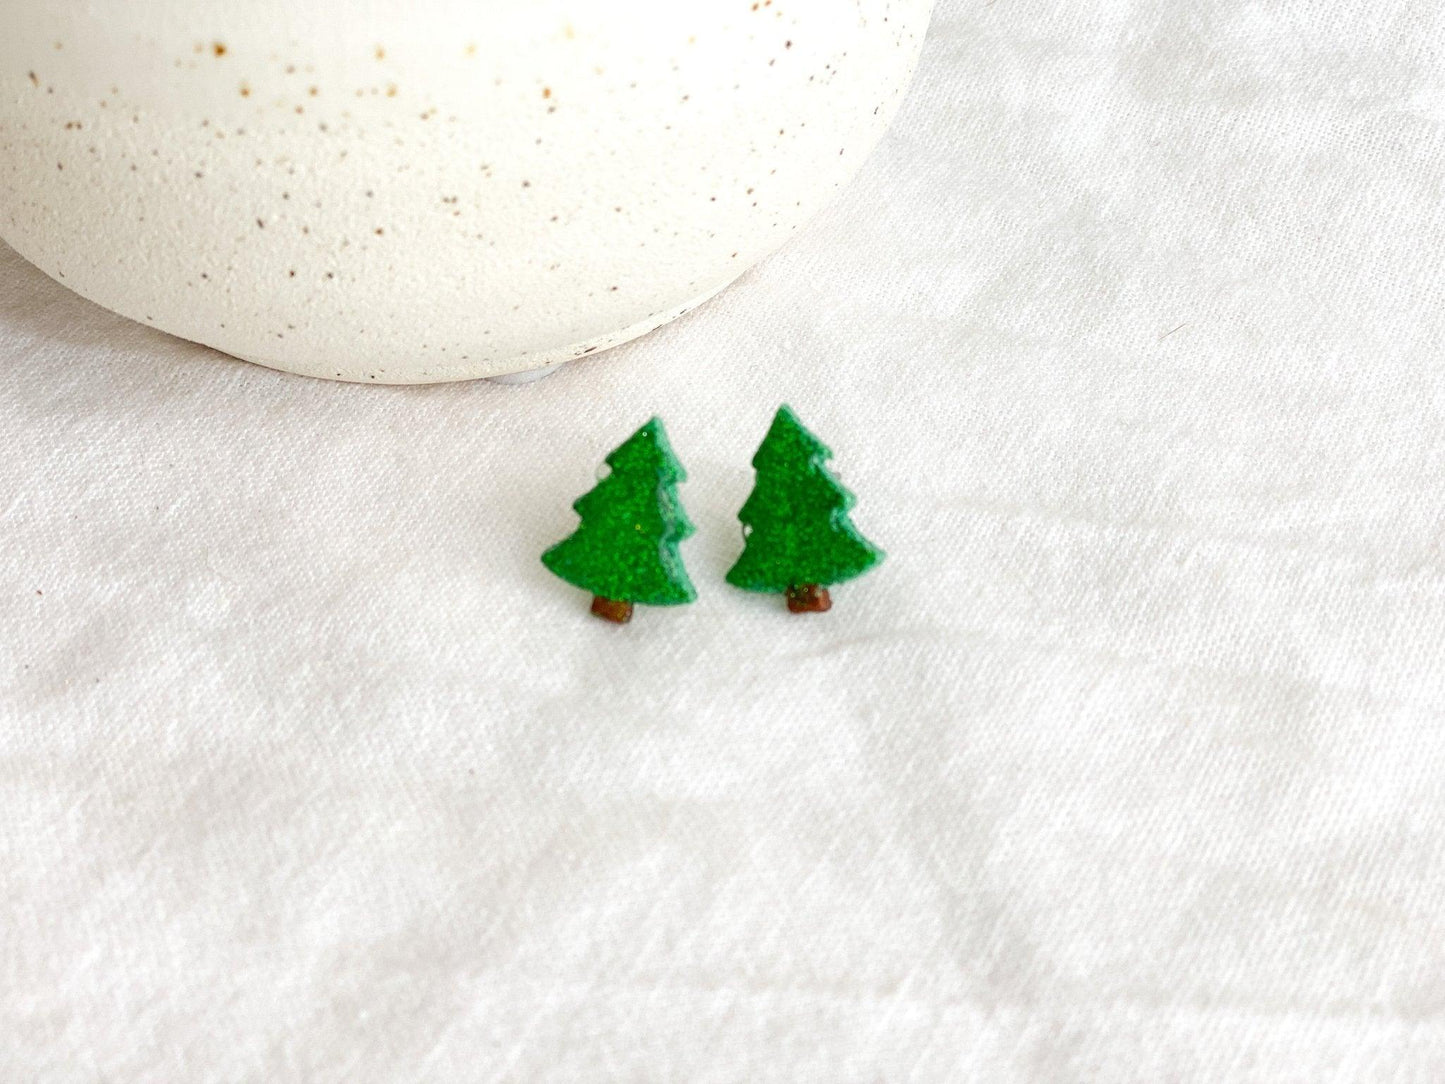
421, 190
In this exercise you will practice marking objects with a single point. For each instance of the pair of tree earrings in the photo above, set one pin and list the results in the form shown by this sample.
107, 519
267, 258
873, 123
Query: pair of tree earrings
799, 537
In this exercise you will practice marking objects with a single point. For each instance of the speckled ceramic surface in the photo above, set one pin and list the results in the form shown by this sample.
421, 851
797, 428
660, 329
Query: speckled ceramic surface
422, 190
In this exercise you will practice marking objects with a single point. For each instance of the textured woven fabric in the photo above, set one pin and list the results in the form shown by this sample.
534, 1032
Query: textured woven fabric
1127, 765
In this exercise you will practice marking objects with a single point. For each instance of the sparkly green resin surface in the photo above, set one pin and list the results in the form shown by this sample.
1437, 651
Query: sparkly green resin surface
797, 515
632, 521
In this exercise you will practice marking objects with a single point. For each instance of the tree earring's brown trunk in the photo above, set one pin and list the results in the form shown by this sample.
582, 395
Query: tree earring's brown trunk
611, 609
809, 598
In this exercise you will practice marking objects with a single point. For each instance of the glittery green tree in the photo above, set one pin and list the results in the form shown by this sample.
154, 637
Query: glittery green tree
799, 537
625, 549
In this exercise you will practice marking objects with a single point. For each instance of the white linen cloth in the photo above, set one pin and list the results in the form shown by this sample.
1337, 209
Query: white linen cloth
1127, 765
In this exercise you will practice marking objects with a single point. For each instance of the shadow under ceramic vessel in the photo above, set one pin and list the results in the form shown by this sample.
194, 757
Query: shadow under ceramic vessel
408, 191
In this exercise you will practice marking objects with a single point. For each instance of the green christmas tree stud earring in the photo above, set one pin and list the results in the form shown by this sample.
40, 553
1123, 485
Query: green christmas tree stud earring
625, 549
799, 538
